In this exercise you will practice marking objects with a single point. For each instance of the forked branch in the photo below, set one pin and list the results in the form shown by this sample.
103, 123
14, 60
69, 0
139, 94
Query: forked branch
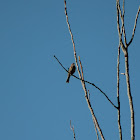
124, 47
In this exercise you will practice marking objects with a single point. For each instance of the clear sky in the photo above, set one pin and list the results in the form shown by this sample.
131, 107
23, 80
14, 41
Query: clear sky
35, 101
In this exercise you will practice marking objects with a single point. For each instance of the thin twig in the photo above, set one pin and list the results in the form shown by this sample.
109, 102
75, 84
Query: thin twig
72, 128
88, 83
134, 26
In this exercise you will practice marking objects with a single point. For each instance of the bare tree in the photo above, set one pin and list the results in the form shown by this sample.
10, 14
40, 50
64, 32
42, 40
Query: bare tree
123, 44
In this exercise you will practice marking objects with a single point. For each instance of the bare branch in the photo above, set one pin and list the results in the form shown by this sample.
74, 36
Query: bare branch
125, 51
93, 120
87, 82
118, 26
90, 107
81, 77
118, 81
134, 27
130, 97
72, 128
122, 20
118, 95
75, 56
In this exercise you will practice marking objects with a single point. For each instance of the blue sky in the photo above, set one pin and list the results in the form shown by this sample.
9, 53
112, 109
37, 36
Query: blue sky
35, 101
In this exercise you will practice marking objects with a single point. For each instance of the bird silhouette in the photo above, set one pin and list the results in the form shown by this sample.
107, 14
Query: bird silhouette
71, 71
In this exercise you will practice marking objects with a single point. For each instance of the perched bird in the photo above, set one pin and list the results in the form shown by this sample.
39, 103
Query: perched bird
71, 71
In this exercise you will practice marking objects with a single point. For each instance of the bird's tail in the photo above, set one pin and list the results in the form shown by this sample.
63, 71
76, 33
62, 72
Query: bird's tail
67, 81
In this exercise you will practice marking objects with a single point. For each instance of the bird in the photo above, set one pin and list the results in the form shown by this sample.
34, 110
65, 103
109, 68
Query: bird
70, 72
